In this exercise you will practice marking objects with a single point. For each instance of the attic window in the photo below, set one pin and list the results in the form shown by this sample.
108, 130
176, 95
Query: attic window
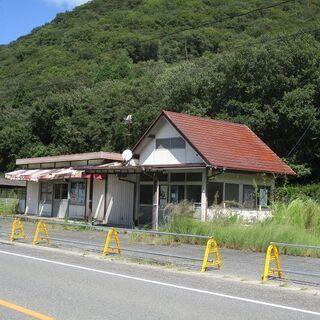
170, 143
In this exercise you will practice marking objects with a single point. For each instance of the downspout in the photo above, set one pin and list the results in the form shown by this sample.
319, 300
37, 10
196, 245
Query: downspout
134, 196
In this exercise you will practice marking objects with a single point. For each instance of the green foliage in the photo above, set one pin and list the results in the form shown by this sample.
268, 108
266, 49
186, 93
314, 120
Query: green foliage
8, 206
296, 222
288, 193
68, 85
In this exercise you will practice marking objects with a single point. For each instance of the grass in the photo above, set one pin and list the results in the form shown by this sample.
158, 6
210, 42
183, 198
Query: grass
297, 222
8, 207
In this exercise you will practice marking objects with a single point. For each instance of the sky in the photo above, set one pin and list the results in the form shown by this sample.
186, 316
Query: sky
19, 17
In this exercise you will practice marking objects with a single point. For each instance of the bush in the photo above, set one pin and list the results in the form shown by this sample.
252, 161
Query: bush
290, 192
8, 206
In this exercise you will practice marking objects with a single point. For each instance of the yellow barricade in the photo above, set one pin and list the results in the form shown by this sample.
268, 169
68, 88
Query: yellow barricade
112, 237
17, 230
272, 255
212, 247
41, 233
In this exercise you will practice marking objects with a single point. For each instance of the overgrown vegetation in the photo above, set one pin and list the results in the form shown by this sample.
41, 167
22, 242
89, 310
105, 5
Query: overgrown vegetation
8, 206
68, 85
288, 193
296, 222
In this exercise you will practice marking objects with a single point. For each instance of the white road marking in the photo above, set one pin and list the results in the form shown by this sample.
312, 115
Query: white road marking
164, 284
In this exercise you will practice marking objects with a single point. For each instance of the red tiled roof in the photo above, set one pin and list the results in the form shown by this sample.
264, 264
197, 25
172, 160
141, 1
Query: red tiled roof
227, 145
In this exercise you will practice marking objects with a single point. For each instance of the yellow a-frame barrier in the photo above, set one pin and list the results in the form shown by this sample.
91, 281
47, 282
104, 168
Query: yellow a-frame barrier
112, 237
17, 230
41, 233
272, 255
211, 247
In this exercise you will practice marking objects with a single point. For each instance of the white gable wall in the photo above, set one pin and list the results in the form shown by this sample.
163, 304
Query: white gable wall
152, 156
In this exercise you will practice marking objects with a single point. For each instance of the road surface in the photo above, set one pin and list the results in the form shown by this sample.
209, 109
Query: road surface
56, 285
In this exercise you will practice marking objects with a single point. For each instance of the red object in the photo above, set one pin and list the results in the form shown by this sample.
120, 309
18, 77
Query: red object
227, 145
96, 176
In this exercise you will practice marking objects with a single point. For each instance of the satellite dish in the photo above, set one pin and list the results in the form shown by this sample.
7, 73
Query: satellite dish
127, 155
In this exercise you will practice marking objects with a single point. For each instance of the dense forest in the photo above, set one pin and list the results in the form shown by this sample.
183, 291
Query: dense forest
68, 85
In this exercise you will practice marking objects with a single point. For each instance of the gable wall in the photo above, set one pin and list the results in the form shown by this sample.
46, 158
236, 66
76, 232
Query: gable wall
152, 156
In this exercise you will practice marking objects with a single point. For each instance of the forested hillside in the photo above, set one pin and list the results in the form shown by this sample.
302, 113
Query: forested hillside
68, 85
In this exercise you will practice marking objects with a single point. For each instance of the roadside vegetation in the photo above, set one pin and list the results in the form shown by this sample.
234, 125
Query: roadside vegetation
295, 222
8, 206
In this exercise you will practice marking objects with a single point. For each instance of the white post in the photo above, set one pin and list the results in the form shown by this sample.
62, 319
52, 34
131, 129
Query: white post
155, 209
204, 200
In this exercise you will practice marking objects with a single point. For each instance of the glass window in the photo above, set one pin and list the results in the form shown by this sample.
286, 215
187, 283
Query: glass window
194, 176
263, 195
177, 193
64, 191
146, 194
46, 192
163, 176
170, 143
145, 177
231, 192
78, 192
249, 197
215, 193
178, 143
178, 177
194, 194
163, 143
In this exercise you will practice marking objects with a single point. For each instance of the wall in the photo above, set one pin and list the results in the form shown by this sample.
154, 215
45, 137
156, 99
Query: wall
120, 195
151, 155
98, 200
32, 198
76, 211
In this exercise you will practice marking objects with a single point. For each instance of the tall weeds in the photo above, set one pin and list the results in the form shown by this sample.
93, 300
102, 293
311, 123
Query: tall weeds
296, 222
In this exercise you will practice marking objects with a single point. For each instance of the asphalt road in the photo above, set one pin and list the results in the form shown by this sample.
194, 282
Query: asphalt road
69, 286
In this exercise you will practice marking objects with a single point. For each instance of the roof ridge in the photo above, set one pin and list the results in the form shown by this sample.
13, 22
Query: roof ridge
205, 118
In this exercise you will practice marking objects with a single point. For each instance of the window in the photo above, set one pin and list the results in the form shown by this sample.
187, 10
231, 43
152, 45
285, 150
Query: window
177, 177
61, 191
263, 195
215, 193
194, 194
170, 143
46, 192
78, 192
194, 176
177, 193
231, 192
146, 194
249, 197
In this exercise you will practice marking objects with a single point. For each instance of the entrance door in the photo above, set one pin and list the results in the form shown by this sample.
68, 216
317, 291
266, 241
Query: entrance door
60, 200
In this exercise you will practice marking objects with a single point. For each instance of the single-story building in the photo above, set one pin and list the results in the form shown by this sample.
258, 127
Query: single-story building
211, 163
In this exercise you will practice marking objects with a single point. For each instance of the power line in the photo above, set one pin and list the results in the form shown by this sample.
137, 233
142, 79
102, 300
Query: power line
301, 137
275, 39
229, 17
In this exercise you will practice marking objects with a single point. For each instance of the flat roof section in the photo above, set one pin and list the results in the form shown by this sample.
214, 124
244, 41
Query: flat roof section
112, 156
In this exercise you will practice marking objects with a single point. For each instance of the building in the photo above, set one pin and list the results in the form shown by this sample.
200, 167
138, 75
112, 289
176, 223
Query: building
213, 164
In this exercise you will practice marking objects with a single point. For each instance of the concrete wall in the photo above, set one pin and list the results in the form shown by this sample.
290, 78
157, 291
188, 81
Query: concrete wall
32, 198
151, 155
120, 195
76, 211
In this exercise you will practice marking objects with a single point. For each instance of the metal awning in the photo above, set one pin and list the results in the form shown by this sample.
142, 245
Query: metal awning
43, 174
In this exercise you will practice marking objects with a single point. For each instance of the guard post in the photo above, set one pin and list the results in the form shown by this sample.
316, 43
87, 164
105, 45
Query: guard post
17, 230
112, 237
41, 233
272, 255
211, 248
